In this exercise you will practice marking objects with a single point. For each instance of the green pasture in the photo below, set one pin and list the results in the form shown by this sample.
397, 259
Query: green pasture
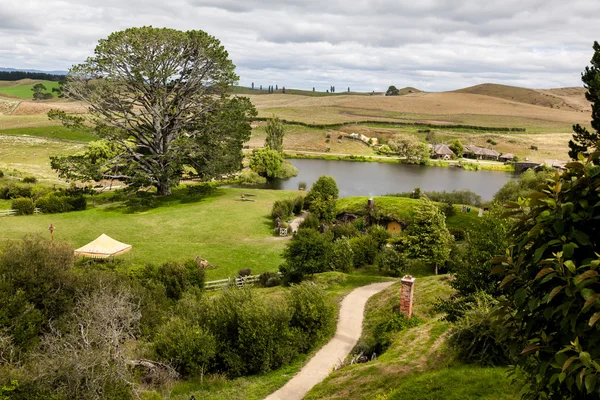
24, 91
219, 227
51, 132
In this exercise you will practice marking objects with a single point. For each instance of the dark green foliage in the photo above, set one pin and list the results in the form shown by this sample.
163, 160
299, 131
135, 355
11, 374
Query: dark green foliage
187, 346
245, 272
382, 329
310, 222
458, 148
392, 261
312, 315
478, 337
175, 277
325, 188
448, 209
301, 185
53, 203
341, 230
30, 179
282, 209
269, 279
1, 174
585, 142
12, 191
307, 252
323, 208
364, 249
23, 206
341, 256
551, 282
392, 91
379, 234
298, 205
528, 182
36, 286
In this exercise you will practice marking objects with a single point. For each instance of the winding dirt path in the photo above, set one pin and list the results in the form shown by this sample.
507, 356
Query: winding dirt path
348, 332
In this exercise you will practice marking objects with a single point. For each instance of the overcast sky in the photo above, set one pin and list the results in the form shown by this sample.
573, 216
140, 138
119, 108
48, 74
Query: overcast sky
433, 45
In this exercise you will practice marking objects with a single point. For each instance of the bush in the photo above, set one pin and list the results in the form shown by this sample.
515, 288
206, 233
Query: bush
392, 261
459, 234
12, 191
298, 205
448, 209
244, 272
53, 204
344, 230
269, 279
478, 337
341, 256
384, 330
282, 209
323, 208
30, 179
176, 278
302, 185
287, 170
324, 188
78, 203
188, 347
364, 249
250, 177
379, 234
310, 222
312, 314
307, 252
23, 206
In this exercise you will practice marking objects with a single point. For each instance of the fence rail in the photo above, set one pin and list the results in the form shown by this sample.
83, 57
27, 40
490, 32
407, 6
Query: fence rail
238, 281
6, 213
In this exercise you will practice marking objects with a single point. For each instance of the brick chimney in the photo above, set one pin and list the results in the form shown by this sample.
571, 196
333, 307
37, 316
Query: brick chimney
406, 295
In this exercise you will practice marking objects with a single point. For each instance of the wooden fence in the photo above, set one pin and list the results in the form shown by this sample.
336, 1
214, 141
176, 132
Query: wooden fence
6, 213
238, 281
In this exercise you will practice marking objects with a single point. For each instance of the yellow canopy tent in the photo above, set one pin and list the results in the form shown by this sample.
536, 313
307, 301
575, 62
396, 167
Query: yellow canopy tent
103, 247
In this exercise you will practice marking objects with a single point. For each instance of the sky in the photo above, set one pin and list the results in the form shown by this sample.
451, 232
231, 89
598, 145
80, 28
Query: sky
433, 45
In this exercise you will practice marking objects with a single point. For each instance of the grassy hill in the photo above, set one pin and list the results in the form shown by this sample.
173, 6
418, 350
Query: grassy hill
242, 90
22, 89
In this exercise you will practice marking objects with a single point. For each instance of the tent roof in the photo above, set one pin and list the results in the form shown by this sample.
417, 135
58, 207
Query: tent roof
104, 246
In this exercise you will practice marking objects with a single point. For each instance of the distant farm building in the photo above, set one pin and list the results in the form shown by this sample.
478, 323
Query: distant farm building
481, 153
442, 151
507, 157
556, 164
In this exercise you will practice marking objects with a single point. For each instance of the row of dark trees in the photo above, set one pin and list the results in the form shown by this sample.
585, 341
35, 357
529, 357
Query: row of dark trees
18, 75
272, 89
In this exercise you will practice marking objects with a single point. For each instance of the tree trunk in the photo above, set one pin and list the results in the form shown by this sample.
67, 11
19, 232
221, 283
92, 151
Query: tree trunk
163, 189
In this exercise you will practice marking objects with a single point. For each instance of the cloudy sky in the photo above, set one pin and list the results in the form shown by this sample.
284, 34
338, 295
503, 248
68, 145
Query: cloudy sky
367, 45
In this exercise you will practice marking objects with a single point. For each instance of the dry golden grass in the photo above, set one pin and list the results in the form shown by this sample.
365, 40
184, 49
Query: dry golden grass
42, 107
573, 97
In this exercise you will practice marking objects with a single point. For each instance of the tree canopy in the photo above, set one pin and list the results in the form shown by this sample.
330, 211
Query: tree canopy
584, 141
158, 97
275, 132
392, 91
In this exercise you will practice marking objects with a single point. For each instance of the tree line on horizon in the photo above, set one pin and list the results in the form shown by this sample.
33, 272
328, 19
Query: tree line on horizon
18, 75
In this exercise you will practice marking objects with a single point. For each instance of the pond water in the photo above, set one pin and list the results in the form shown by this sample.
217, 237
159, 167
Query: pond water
376, 179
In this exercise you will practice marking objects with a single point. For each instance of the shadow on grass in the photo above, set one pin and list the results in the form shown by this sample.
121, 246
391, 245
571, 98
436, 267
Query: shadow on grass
142, 201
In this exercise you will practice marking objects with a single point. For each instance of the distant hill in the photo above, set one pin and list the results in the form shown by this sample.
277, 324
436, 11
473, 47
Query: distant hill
408, 90
56, 72
565, 98
300, 92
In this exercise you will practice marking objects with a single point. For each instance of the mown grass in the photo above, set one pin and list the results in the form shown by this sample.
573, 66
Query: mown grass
230, 233
51, 132
398, 207
24, 91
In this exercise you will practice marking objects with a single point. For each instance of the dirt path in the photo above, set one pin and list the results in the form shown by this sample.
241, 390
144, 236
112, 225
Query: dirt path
348, 332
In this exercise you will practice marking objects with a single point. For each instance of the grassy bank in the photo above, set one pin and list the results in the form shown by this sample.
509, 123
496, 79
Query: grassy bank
24, 91
230, 233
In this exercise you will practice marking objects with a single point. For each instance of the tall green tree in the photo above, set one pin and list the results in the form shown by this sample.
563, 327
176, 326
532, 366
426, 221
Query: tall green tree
552, 284
584, 141
39, 92
160, 97
458, 148
275, 132
392, 91
427, 237
266, 162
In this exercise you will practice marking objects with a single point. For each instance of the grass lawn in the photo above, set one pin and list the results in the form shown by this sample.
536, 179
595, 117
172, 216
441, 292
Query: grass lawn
398, 207
24, 91
51, 132
229, 233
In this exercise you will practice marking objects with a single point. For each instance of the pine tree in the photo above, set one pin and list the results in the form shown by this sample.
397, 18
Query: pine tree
252, 85
584, 141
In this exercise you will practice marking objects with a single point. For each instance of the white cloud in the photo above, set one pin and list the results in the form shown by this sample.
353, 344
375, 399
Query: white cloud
364, 44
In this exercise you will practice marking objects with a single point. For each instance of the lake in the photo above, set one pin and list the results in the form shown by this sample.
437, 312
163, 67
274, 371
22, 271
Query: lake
376, 179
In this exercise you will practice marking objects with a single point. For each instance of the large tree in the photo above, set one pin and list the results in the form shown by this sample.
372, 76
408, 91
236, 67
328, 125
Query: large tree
158, 98
275, 131
584, 141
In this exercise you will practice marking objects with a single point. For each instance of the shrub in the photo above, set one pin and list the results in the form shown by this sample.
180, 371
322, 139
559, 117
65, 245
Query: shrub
78, 203
364, 249
12, 191
341, 256
23, 206
478, 337
250, 177
53, 204
379, 234
459, 234
307, 252
30, 179
269, 279
298, 205
176, 277
448, 209
302, 185
185, 345
391, 261
324, 188
323, 208
279, 210
384, 330
245, 272
287, 170
344, 230
312, 314
310, 222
